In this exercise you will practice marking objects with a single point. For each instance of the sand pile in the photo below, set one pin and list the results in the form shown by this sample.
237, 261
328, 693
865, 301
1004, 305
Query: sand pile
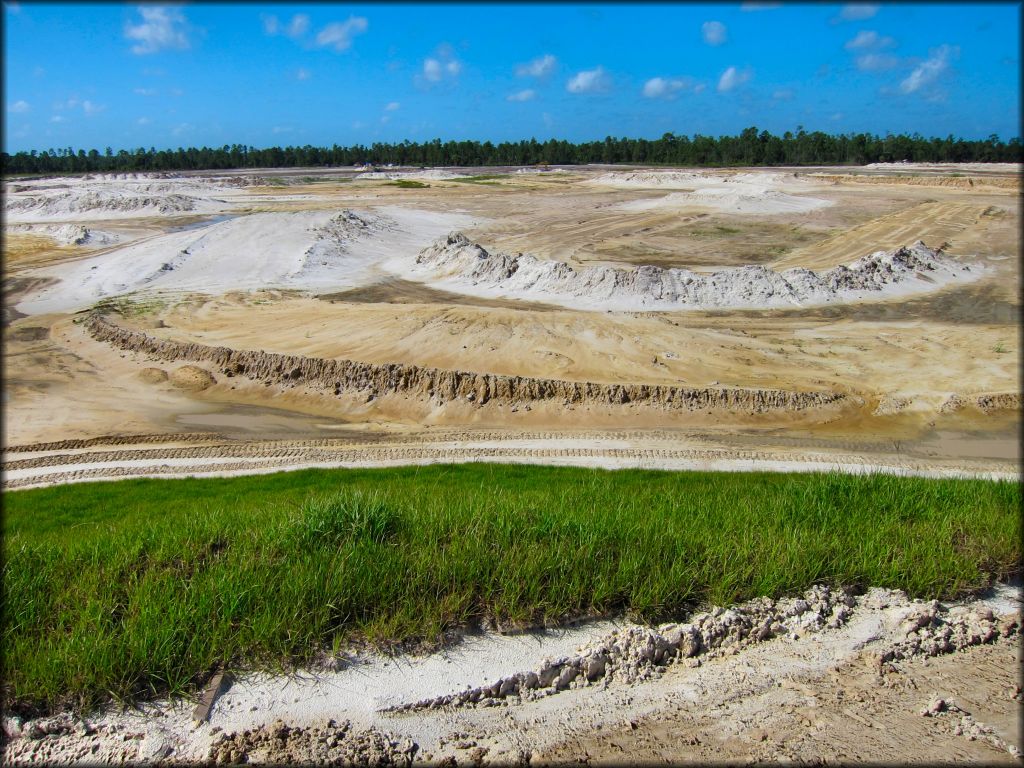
113, 196
744, 193
68, 234
92, 204
314, 250
731, 200
432, 174
192, 378
459, 264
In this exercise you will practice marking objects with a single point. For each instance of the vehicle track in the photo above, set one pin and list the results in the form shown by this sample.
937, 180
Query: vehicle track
271, 456
933, 222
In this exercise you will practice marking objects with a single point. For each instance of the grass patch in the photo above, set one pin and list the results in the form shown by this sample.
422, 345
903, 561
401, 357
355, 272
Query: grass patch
129, 306
136, 588
487, 178
408, 184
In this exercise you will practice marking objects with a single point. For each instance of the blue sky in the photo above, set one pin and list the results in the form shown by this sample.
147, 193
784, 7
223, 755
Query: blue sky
92, 76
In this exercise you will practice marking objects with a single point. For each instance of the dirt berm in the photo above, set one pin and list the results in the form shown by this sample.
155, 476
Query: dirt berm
448, 385
958, 182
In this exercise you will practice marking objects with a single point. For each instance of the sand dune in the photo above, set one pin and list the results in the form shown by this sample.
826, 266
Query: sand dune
321, 250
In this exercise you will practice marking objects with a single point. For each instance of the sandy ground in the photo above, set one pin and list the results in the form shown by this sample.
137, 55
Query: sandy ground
270, 260
836, 678
959, 340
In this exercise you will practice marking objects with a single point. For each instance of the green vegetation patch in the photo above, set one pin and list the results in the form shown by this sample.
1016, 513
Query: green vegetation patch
408, 184
137, 588
486, 178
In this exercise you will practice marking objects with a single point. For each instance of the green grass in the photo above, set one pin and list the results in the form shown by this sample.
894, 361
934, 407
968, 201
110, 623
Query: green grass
487, 178
136, 588
408, 184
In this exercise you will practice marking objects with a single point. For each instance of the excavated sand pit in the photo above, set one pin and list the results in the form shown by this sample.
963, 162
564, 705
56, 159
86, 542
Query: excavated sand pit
784, 319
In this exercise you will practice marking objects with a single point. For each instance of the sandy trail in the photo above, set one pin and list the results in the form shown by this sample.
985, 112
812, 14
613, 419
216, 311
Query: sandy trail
831, 670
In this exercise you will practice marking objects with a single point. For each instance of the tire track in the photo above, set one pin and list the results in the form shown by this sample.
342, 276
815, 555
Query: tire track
261, 458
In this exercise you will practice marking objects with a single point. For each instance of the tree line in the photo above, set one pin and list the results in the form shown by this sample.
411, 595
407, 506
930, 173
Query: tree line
750, 147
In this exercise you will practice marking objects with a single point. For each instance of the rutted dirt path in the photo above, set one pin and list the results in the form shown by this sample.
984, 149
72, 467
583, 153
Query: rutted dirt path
71, 461
933, 222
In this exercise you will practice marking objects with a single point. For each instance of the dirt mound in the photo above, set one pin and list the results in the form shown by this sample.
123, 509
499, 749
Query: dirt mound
69, 234
956, 182
191, 378
457, 261
331, 743
153, 375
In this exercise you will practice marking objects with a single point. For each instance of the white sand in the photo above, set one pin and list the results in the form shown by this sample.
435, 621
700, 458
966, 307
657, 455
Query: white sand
752, 193
457, 264
57, 474
68, 234
430, 174
120, 196
730, 200
725, 688
317, 250
948, 167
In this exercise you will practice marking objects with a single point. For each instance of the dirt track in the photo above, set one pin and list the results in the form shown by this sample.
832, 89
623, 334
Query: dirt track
933, 222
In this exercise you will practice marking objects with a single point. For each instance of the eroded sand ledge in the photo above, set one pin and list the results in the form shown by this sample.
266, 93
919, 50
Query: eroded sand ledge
340, 376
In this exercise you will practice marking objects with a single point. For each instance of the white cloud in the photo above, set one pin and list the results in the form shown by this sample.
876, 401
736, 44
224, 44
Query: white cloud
303, 74
90, 108
868, 40
338, 35
929, 70
539, 67
758, 6
589, 81
524, 95
714, 32
877, 62
57, 119
144, 91
392, 106
783, 94
181, 128
699, 88
299, 25
435, 69
836, 116
732, 78
857, 11
143, 121
281, 129
177, 92
432, 70
270, 24
161, 27
21, 106
666, 87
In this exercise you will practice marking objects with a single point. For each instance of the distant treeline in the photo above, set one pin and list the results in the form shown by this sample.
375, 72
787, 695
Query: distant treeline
750, 147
